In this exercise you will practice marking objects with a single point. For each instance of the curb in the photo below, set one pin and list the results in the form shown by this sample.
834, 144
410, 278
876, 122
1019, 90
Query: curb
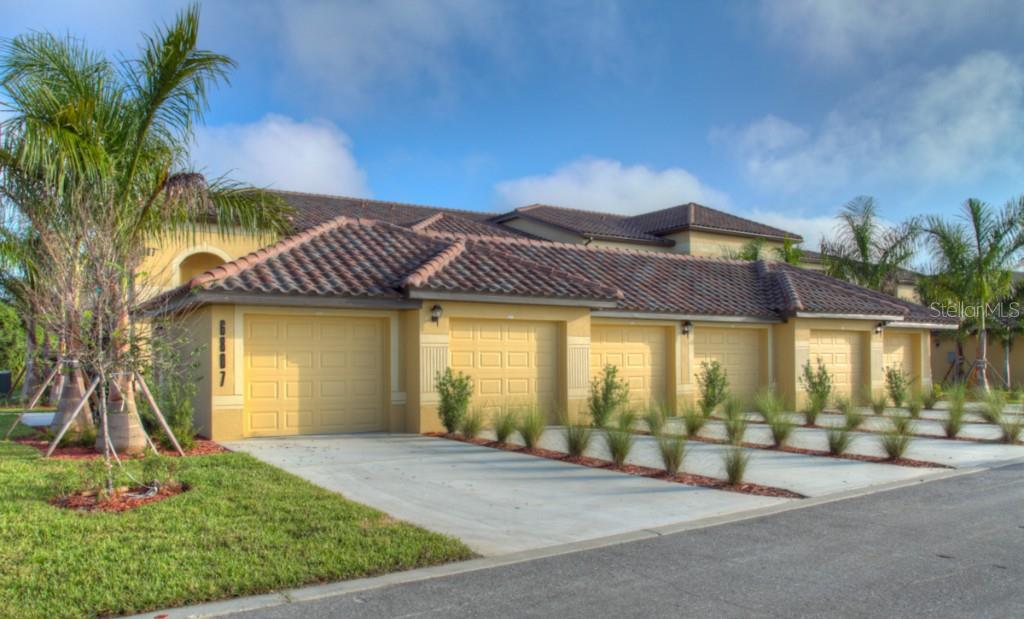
318, 592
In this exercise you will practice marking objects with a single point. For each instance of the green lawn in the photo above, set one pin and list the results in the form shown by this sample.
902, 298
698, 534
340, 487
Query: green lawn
245, 527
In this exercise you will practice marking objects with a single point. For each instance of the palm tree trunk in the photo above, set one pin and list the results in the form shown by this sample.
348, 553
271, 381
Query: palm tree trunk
28, 384
982, 362
1006, 363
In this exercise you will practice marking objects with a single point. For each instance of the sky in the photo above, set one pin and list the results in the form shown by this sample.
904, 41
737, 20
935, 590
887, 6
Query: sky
781, 110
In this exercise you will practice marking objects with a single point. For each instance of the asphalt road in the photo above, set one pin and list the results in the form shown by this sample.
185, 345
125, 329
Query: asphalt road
951, 548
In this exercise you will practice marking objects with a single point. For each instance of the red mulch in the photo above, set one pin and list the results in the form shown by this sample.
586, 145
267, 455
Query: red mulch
120, 501
202, 447
631, 469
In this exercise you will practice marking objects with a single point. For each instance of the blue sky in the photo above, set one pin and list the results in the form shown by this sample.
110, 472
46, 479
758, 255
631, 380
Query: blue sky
780, 111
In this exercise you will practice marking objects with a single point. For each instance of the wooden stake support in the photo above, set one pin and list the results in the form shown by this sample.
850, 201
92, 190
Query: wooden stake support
71, 418
35, 400
156, 411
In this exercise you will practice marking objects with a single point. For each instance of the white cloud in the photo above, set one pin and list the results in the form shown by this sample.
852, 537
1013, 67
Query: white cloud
608, 185
282, 153
812, 229
951, 124
838, 32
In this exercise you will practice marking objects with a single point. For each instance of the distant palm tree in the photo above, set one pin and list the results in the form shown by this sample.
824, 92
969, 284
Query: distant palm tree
755, 249
973, 262
790, 252
865, 251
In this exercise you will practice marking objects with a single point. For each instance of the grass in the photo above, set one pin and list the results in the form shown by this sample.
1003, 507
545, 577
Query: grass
915, 404
901, 423
472, 424
954, 421
673, 451
895, 444
620, 439
1011, 427
505, 423
655, 417
878, 403
736, 461
839, 440
932, 396
768, 403
531, 426
993, 404
577, 438
244, 528
853, 418
693, 421
781, 427
844, 404
735, 421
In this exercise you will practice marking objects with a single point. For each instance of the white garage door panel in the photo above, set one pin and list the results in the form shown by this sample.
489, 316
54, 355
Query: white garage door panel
314, 375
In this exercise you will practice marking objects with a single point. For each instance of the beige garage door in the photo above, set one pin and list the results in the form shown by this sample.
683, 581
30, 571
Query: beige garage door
512, 363
739, 352
638, 352
842, 352
314, 375
899, 352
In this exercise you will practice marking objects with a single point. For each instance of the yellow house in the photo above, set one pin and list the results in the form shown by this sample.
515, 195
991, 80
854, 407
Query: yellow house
344, 326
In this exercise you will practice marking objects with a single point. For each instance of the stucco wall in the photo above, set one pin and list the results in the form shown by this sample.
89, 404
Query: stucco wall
159, 268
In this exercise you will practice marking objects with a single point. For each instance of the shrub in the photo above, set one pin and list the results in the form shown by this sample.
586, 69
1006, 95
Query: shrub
673, 451
608, 393
693, 421
853, 419
896, 384
993, 405
956, 394
1011, 427
768, 403
577, 438
735, 460
781, 427
818, 385
505, 423
713, 382
654, 418
954, 420
895, 444
158, 470
735, 421
844, 404
915, 405
531, 427
620, 439
901, 423
454, 391
932, 396
811, 415
839, 440
472, 424
878, 403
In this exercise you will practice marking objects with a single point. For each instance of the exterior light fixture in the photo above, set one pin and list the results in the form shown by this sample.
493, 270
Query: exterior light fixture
879, 327
435, 314
687, 327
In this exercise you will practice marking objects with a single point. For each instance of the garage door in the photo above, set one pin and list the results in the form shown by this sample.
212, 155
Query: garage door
899, 352
639, 354
739, 352
842, 352
313, 375
513, 363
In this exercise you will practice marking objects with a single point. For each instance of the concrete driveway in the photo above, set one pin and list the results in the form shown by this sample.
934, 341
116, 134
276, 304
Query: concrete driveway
497, 502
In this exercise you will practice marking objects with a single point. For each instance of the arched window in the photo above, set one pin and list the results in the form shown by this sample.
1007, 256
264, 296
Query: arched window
197, 263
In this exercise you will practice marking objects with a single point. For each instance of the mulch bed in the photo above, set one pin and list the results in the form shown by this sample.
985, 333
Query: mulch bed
202, 447
630, 469
122, 499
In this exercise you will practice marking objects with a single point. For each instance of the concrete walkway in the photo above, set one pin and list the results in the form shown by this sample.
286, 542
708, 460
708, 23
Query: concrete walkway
497, 502
811, 476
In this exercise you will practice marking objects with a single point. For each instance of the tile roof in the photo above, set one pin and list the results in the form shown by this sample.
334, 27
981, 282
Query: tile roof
360, 258
647, 227
903, 276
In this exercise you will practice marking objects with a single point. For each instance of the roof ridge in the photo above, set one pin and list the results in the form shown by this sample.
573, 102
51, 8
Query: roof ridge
849, 288
789, 292
429, 268
535, 205
251, 259
426, 221
376, 201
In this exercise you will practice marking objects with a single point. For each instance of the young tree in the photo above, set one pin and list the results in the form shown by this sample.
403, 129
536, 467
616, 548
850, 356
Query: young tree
973, 261
864, 251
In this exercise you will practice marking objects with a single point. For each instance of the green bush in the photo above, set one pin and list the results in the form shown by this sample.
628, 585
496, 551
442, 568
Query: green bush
1011, 427
454, 391
158, 470
673, 451
577, 438
735, 460
839, 440
621, 438
896, 384
818, 385
768, 403
531, 426
608, 394
505, 423
472, 424
693, 421
781, 427
993, 406
713, 383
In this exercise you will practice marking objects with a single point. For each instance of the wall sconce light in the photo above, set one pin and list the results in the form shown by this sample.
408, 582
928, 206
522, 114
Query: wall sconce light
687, 327
879, 327
435, 314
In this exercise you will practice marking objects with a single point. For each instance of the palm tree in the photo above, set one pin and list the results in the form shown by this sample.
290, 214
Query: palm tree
790, 252
973, 262
94, 159
755, 249
864, 251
